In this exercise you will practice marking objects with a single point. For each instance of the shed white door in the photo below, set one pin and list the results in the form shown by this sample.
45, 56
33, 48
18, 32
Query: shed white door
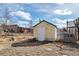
41, 34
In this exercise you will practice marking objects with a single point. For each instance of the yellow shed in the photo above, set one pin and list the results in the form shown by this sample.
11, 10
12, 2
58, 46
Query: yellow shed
45, 31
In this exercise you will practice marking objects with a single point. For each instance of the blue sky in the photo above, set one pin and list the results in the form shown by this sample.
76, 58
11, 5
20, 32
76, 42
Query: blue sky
56, 13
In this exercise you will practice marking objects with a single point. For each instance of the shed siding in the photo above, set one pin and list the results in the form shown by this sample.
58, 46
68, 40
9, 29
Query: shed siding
50, 31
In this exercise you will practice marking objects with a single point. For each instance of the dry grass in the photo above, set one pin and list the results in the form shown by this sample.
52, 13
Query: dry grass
22, 47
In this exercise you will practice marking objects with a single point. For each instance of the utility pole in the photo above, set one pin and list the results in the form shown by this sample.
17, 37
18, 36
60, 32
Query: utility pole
67, 26
39, 20
77, 28
6, 16
30, 23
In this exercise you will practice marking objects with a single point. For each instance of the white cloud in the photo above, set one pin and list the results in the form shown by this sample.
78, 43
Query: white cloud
63, 12
60, 23
22, 14
71, 19
36, 21
23, 24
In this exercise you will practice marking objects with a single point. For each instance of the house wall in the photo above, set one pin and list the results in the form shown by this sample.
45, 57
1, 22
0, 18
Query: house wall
72, 28
50, 31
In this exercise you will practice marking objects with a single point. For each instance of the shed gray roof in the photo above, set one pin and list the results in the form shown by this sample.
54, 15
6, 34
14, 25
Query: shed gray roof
46, 22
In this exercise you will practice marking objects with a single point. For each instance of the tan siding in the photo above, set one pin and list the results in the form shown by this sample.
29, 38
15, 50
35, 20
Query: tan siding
49, 30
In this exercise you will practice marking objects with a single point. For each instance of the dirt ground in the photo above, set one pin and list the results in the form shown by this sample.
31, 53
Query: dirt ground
24, 48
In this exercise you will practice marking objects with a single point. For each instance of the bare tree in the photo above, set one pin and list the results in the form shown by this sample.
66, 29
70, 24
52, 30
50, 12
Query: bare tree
7, 18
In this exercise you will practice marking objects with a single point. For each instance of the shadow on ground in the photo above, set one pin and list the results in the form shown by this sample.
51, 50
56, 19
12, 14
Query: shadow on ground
29, 43
34, 42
